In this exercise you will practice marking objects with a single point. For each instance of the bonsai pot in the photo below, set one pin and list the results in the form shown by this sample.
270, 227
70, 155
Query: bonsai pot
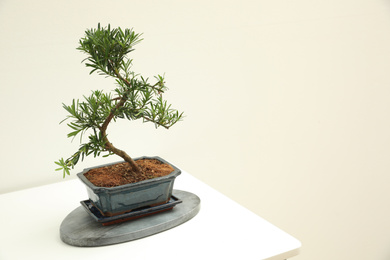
121, 199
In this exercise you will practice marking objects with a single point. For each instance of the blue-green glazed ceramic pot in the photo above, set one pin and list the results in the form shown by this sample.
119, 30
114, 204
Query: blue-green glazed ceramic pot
120, 199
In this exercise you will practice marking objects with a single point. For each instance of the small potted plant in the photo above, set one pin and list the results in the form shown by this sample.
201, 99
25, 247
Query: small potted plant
117, 188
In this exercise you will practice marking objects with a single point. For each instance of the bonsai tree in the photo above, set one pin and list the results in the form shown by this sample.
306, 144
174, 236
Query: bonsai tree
133, 98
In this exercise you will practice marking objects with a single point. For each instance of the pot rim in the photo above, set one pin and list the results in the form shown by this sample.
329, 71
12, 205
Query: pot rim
176, 171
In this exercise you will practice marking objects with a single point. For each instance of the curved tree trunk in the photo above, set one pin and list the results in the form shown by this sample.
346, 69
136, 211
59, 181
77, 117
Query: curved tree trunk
123, 154
110, 146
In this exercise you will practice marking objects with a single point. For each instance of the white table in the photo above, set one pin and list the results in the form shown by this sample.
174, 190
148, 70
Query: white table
30, 221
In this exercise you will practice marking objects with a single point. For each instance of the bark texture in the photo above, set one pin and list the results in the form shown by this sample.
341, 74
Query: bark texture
110, 146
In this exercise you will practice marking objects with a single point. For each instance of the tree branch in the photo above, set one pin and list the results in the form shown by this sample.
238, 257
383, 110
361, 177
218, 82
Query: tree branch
157, 123
103, 129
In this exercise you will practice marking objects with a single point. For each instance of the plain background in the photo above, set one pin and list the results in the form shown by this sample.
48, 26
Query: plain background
286, 102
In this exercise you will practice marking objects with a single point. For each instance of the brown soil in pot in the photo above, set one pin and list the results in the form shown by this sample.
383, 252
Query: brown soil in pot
120, 174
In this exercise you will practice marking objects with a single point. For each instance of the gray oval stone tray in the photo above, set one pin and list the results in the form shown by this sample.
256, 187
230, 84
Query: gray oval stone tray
80, 229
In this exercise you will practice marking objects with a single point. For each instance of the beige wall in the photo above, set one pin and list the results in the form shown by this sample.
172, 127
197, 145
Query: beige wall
287, 105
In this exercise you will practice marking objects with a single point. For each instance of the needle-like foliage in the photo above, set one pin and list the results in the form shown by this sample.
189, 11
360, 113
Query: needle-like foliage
133, 98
